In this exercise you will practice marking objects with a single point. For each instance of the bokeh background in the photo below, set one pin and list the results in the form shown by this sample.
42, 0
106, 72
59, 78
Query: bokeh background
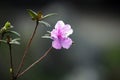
95, 54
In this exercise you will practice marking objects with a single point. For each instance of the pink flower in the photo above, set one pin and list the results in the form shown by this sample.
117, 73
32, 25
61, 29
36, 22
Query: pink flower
60, 35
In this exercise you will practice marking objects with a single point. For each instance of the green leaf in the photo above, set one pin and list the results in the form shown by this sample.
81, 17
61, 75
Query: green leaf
3, 41
45, 23
32, 14
46, 37
48, 15
6, 27
2, 30
13, 32
49, 31
47, 34
15, 41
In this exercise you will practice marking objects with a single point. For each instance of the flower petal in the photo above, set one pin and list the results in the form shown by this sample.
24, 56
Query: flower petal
56, 44
67, 30
54, 33
59, 24
66, 43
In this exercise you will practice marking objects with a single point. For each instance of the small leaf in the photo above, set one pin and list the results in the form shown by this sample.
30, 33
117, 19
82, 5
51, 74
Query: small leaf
14, 41
49, 31
4, 41
46, 37
48, 15
45, 23
2, 30
32, 14
14, 32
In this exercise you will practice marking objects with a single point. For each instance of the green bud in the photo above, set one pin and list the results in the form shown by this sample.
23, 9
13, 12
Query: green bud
39, 15
11, 70
7, 25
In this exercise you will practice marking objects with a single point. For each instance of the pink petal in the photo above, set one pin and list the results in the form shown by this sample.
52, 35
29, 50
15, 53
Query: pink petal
67, 30
54, 33
56, 44
66, 43
59, 24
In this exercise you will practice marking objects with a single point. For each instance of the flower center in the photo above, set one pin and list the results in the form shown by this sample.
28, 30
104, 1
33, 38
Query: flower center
59, 36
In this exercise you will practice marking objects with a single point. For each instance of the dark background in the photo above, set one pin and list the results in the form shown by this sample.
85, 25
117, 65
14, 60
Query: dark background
95, 54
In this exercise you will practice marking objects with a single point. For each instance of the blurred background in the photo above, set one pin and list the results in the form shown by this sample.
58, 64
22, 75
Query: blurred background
95, 54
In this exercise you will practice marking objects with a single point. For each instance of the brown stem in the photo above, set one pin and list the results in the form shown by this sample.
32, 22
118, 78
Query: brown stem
37, 61
26, 49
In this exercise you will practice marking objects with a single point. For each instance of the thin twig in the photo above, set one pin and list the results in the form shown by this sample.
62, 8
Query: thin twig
11, 63
26, 49
0, 39
37, 61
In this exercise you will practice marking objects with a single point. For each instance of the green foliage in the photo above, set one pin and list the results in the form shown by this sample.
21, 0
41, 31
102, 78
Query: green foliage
48, 15
15, 41
35, 16
11, 37
6, 31
38, 16
13, 32
32, 14
45, 23
46, 36
6, 27
49, 32
3, 41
